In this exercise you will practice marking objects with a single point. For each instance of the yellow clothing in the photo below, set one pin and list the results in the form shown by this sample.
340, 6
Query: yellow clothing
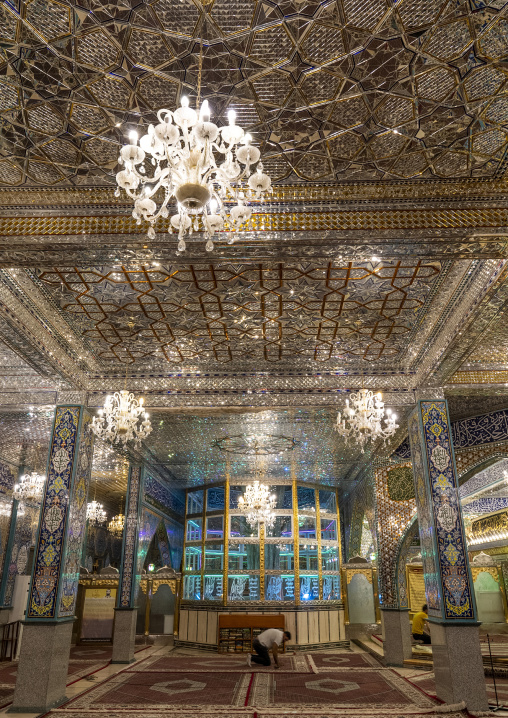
418, 622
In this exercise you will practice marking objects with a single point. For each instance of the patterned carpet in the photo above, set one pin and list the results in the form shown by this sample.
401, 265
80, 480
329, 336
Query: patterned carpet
211, 683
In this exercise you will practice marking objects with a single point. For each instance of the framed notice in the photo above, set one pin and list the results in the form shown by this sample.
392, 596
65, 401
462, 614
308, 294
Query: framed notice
98, 614
416, 588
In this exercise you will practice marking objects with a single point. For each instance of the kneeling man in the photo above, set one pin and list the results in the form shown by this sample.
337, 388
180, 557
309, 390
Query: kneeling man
272, 638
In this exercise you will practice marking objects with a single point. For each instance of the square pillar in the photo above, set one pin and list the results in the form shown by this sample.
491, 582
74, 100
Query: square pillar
124, 629
124, 635
47, 632
396, 636
448, 584
43, 666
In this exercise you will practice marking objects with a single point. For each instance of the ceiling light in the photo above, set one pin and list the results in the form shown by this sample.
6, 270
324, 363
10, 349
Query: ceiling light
30, 487
258, 504
362, 421
180, 158
118, 421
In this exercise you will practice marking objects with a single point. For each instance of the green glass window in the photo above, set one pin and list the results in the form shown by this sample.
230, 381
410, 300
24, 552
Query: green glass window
195, 502
214, 556
328, 529
279, 557
194, 529
193, 556
192, 588
330, 558
215, 527
281, 527
243, 557
240, 528
308, 556
327, 502
307, 527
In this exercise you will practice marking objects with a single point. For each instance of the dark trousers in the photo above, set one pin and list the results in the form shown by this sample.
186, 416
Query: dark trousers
263, 656
422, 637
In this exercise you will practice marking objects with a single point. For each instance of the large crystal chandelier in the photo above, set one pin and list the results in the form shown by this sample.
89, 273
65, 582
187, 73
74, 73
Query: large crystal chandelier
30, 487
203, 167
258, 504
118, 421
116, 525
95, 513
362, 421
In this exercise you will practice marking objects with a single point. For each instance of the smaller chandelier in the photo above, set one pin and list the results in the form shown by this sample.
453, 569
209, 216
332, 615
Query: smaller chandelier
118, 421
362, 421
258, 505
116, 525
30, 487
95, 513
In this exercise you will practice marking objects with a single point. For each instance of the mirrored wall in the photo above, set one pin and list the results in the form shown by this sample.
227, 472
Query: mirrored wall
297, 560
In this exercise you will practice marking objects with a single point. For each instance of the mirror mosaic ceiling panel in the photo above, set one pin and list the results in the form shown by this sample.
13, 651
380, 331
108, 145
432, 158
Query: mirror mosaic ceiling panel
334, 90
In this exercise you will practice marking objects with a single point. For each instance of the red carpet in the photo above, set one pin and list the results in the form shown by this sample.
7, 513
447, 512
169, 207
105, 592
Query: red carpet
329, 662
128, 690
345, 688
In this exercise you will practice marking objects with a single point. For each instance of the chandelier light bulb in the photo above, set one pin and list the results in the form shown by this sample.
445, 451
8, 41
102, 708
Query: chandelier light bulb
362, 420
199, 166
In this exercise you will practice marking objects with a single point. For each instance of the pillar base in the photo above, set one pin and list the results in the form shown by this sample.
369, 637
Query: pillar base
43, 665
124, 635
397, 636
458, 665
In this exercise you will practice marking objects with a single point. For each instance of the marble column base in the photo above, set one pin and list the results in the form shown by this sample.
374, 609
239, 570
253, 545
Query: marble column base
43, 666
458, 665
397, 636
124, 635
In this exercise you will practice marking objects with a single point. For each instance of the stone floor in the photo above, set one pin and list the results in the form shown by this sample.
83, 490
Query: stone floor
195, 684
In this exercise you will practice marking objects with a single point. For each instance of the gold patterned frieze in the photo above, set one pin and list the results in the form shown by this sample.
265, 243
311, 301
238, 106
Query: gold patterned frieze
480, 377
272, 222
350, 572
476, 570
359, 191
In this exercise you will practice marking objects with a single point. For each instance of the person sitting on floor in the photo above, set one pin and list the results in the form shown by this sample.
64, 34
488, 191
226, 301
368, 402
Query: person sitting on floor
271, 638
420, 626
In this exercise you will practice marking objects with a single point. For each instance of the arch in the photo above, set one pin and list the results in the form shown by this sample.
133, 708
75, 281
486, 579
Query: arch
471, 461
402, 554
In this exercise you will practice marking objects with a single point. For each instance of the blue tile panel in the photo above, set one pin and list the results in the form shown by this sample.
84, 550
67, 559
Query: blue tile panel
448, 583
49, 553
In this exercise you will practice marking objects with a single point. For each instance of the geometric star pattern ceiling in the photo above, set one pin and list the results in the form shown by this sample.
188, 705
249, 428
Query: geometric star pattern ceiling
152, 316
344, 89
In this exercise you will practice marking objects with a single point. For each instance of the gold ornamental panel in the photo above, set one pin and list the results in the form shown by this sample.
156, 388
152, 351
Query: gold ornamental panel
342, 220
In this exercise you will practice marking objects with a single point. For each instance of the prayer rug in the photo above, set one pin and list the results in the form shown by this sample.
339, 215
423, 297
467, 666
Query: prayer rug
77, 669
128, 690
344, 688
325, 662
217, 664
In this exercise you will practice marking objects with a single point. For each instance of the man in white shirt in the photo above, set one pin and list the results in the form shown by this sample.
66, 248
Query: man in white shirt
271, 638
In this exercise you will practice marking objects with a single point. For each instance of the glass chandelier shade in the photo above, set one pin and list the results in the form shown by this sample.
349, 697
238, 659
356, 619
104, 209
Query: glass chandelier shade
203, 167
258, 504
116, 525
119, 420
95, 513
362, 419
30, 487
